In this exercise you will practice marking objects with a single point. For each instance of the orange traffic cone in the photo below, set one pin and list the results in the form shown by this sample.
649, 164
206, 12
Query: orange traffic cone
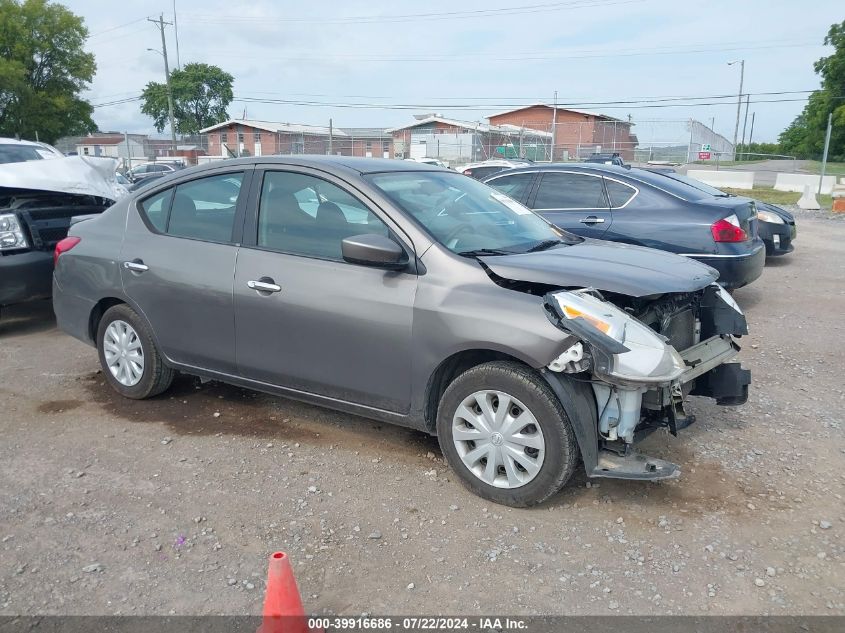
283, 611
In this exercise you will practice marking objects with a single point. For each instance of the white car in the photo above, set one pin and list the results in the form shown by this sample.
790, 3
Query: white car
490, 167
14, 151
430, 161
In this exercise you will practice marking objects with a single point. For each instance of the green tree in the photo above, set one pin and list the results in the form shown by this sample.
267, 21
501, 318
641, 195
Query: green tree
805, 135
43, 69
201, 94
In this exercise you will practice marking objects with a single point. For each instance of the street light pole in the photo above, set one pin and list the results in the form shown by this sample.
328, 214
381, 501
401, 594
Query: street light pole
741, 63
161, 24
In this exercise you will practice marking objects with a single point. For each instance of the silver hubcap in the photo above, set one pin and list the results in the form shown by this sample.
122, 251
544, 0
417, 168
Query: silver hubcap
498, 439
123, 352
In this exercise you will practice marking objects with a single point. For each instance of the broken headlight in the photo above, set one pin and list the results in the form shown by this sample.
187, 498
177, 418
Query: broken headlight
634, 353
11, 232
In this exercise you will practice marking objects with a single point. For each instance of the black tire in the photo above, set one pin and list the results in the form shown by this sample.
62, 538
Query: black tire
156, 376
523, 383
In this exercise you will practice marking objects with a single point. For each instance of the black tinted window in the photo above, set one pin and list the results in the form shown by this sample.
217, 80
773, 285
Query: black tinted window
204, 209
619, 193
515, 185
304, 215
483, 172
570, 191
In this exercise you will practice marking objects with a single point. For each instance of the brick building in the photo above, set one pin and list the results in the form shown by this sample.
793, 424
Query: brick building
435, 136
578, 133
244, 137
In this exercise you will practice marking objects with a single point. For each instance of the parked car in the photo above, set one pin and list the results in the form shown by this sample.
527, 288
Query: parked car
430, 161
143, 182
408, 294
16, 151
147, 170
606, 159
486, 168
40, 190
776, 226
639, 207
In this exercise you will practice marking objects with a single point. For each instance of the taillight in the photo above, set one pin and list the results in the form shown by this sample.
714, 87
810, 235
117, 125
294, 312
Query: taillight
64, 246
728, 230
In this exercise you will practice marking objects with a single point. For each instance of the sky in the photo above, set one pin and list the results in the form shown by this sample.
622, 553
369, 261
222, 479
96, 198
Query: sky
308, 62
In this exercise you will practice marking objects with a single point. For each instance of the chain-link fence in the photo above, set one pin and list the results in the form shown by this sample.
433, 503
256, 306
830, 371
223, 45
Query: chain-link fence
638, 142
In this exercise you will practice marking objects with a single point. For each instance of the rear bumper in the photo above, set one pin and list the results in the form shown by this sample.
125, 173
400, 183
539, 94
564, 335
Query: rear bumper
736, 271
25, 276
73, 314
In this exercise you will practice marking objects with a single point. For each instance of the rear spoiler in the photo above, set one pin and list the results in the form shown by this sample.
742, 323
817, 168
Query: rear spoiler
81, 218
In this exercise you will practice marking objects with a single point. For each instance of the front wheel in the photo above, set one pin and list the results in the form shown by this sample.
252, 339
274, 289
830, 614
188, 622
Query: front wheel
128, 355
506, 435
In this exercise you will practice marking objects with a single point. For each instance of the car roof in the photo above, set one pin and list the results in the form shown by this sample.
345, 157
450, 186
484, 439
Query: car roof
14, 141
354, 163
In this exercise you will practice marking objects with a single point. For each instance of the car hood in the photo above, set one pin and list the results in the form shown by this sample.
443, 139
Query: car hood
621, 268
80, 175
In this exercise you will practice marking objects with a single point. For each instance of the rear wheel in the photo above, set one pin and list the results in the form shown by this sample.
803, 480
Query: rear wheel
130, 360
506, 435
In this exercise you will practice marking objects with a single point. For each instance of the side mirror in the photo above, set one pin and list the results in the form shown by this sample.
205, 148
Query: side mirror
374, 250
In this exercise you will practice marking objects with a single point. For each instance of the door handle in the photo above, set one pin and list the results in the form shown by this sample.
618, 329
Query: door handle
264, 285
136, 266
591, 220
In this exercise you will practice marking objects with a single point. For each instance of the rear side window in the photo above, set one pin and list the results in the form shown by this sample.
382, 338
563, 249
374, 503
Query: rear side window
560, 190
515, 185
157, 207
619, 193
201, 209
483, 172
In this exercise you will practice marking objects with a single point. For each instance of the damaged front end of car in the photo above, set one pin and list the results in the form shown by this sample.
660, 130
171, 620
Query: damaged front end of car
641, 357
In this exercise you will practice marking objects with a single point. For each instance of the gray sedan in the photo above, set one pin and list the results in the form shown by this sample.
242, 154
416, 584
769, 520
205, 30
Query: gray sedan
408, 294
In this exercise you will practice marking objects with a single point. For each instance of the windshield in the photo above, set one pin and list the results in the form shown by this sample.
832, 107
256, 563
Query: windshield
466, 216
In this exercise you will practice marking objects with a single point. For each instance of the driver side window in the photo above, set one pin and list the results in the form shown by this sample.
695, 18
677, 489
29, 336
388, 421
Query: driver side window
304, 215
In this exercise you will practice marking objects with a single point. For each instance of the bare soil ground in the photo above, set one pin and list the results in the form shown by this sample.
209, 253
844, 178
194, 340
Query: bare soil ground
109, 506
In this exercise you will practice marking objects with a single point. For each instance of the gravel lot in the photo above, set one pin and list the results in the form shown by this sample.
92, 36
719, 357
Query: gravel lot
109, 506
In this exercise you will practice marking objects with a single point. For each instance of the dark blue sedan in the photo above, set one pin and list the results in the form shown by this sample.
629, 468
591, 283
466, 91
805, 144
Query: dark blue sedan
635, 206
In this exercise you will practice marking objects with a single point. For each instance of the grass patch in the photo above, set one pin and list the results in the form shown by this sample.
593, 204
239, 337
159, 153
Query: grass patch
772, 196
729, 163
832, 169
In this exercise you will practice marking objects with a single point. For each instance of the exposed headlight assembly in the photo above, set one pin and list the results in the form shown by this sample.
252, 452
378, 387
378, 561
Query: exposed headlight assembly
11, 233
629, 351
769, 216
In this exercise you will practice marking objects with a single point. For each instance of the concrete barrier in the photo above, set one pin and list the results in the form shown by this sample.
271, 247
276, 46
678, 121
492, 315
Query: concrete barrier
797, 182
731, 179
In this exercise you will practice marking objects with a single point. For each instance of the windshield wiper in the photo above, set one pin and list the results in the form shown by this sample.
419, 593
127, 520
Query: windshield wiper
484, 251
545, 244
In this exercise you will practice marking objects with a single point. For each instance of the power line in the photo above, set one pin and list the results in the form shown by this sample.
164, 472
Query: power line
115, 28
535, 56
414, 17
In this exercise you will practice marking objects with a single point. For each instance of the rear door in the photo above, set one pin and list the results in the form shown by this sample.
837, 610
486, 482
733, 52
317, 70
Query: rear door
574, 201
178, 262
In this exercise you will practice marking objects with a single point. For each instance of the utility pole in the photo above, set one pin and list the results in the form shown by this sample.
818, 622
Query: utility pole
745, 122
554, 129
176, 34
751, 133
161, 24
741, 63
331, 134
826, 147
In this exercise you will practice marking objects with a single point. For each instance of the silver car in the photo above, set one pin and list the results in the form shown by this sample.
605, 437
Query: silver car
409, 294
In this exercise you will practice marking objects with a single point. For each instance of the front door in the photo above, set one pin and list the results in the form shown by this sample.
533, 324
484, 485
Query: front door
573, 201
177, 264
309, 321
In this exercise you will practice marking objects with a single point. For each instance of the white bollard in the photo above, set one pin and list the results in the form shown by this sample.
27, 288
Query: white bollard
808, 200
